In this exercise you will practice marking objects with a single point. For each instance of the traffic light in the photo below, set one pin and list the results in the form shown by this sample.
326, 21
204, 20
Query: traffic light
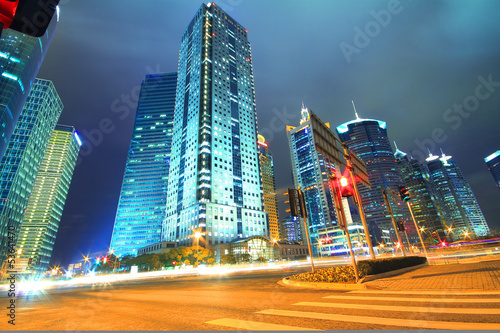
404, 193
435, 237
173, 263
346, 189
296, 202
401, 226
30, 17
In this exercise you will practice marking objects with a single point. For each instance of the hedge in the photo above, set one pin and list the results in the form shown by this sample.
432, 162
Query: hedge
377, 266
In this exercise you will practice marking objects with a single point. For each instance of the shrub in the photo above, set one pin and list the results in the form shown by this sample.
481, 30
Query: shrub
377, 266
331, 274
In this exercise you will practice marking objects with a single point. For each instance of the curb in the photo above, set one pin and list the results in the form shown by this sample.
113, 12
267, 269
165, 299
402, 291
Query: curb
325, 285
391, 273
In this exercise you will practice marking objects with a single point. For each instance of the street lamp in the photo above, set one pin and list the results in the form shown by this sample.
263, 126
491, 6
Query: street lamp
86, 261
197, 235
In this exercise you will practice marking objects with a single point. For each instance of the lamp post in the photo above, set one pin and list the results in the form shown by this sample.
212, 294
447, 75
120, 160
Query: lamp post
86, 261
274, 243
197, 235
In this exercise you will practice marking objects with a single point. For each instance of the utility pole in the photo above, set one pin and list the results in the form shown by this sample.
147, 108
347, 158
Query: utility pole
389, 210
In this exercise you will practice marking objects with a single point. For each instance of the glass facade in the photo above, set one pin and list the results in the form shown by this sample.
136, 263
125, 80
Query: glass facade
310, 171
45, 206
291, 230
141, 208
461, 208
214, 181
269, 188
493, 163
367, 138
20, 59
23, 156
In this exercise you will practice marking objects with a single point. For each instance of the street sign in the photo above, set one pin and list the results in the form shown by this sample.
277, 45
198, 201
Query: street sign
327, 144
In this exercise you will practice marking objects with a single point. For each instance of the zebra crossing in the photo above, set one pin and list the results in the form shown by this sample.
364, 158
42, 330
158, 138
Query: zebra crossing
406, 309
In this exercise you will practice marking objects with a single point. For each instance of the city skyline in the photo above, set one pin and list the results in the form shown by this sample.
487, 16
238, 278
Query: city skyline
405, 95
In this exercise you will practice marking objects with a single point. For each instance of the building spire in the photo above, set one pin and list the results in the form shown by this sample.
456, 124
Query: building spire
355, 112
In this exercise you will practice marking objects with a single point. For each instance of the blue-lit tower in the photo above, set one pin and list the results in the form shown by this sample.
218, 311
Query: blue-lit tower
141, 208
367, 138
460, 204
20, 59
310, 171
214, 183
493, 163
22, 158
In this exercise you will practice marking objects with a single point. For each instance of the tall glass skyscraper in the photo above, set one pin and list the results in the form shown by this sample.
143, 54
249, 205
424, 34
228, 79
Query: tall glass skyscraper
426, 204
141, 208
493, 163
461, 206
268, 188
22, 159
214, 181
45, 206
20, 59
310, 171
367, 138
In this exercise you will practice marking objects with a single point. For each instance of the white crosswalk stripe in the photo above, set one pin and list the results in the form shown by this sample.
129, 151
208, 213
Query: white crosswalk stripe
371, 302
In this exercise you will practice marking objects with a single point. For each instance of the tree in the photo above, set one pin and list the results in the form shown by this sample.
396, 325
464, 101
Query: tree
262, 259
227, 259
244, 257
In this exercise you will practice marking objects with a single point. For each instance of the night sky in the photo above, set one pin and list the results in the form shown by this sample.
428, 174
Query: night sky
409, 63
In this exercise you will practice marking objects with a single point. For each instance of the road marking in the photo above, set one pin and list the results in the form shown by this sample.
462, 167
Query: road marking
401, 308
417, 299
255, 325
440, 325
426, 292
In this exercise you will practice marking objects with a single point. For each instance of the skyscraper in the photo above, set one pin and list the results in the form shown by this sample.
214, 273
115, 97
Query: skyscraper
214, 181
141, 208
268, 187
23, 156
20, 59
426, 204
367, 138
460, 204
46, 203
310, 171
493, 163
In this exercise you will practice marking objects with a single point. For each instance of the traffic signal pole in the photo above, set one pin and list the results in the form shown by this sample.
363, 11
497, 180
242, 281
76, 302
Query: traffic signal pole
389, 210
357, 201
418, 230
341, 216
304, 216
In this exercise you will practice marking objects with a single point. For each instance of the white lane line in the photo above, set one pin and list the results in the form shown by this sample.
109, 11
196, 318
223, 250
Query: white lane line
255, 325
417, 299
401, 308
440, 325
426, 292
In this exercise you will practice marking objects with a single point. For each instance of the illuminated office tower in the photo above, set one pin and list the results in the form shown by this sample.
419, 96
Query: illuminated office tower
23, 156
214, 182
269, 188
310, 171
20, 59
493, 163
367, 138
426, 204
141, 208
460, 205
45, 206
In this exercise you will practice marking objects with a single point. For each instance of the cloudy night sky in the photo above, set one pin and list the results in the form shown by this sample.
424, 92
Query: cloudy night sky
430, 69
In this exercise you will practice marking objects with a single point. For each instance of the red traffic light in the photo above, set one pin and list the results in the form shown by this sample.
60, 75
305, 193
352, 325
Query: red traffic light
30, 17
173, 263
346, 189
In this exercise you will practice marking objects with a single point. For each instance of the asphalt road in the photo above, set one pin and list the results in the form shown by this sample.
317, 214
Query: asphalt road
252, 301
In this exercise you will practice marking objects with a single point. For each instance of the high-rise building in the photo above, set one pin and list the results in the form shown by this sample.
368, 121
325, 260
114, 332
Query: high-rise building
141, 208
426, 204
214, 181
23, 156
311, 172
20, 59
290, 230
46, 203
493, 163
461, 208
268, 188
367, 138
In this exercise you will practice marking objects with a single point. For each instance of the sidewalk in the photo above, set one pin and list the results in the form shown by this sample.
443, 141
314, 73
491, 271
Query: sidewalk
477, 276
